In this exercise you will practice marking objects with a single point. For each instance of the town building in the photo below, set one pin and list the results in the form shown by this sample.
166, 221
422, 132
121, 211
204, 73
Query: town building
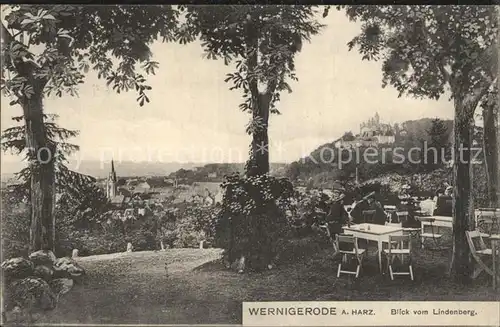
117, 196
205, 193
111, 186
142, 187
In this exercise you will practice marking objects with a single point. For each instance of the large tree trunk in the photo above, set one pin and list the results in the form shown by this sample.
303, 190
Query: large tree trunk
498, 153
41, 157
497, 112
260, 137
490, 148
40, 154
462, 201
258, 163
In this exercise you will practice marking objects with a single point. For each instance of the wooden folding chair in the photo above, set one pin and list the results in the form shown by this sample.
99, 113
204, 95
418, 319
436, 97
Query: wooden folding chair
399, 248
402, 216
429, 235
330, 236
478, 252
487, 220
347, 246
389, 210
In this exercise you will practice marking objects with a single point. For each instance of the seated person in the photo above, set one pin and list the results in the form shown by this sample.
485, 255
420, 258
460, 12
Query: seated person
357, 210
380, 215
337, 215
444, 206
439, 192
370, 204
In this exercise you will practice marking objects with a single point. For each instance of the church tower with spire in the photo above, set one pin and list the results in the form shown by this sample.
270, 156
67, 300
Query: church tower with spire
111, 183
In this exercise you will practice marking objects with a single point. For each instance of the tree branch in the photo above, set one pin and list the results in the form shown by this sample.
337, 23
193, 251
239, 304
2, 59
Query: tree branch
471, 100
445, 73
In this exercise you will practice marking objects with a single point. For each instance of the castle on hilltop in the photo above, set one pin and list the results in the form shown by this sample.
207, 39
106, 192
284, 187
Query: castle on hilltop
371, 133
373, 127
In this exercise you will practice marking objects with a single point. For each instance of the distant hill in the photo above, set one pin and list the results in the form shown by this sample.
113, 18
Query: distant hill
416, 130
215, 172
323, 173
130, 168
146, 169
99, 169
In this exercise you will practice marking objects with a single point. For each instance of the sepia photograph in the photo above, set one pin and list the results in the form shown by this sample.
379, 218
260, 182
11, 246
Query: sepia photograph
259, 165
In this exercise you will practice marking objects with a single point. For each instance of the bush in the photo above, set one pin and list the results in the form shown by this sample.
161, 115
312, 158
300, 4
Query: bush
142, 240
312, 207
186, 225
15, 232
101, 244
433, 181
192, 223
190, 239
169, 238
252, 221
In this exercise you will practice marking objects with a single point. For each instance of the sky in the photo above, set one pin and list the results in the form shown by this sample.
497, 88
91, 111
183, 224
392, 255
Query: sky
194, 117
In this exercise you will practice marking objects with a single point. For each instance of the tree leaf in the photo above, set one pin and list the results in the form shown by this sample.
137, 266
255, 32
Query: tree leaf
27, 21
49, 17
326, 11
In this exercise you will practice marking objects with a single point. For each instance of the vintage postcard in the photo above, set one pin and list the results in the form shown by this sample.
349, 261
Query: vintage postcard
258, 165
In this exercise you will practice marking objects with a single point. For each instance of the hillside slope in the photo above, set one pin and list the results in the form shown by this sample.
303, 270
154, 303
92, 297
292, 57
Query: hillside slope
322, 167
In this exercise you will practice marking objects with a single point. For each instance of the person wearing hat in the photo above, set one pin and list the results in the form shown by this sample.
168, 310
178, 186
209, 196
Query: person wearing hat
337, 215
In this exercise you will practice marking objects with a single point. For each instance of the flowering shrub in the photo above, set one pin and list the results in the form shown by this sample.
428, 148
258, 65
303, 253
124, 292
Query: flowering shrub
186, 225
92, 243
313, 207
15, 226
188, 239
252, 218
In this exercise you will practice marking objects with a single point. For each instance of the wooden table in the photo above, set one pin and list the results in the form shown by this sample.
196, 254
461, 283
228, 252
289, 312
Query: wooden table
494, 238
445, 221
373, 232
433, 221
438, 221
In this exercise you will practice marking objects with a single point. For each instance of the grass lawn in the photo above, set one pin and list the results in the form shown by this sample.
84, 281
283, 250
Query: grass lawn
134, 289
